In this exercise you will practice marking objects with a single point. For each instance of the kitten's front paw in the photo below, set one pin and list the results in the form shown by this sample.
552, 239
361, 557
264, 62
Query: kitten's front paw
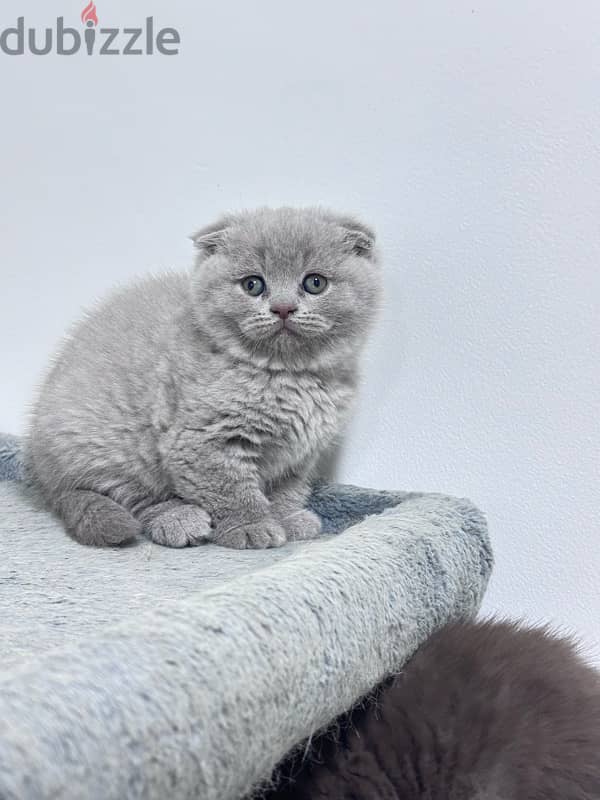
250, 535
179, 527
301, 524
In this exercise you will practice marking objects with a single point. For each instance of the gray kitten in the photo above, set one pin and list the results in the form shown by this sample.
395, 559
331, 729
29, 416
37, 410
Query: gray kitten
194, 407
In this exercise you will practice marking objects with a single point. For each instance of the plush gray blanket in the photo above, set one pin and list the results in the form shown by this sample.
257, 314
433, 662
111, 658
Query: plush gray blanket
145, 672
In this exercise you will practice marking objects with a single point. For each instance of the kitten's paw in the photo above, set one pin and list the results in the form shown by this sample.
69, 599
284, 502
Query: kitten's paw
301, 524
179, 527
251, 535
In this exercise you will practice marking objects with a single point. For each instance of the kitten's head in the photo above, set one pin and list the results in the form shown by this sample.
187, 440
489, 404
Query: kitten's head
290, 287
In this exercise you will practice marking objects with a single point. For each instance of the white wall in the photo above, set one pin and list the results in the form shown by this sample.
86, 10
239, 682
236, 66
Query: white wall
467, 132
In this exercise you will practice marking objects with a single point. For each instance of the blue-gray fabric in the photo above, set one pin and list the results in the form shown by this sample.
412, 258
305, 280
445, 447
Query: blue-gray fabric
146, 672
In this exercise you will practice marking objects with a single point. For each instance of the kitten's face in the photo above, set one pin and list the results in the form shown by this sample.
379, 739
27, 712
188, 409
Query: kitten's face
296, 287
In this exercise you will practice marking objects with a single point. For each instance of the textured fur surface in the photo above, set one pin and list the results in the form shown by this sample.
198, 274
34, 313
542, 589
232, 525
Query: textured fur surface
483, 711
187, 408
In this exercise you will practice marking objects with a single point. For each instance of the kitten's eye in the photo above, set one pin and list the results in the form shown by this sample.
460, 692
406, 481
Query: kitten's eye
314, 284
253, 285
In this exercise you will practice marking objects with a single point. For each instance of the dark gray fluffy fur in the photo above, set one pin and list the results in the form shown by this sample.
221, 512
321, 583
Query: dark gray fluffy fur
483, 711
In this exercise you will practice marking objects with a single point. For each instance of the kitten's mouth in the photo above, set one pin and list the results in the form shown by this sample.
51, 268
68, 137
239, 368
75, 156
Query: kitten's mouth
285, 327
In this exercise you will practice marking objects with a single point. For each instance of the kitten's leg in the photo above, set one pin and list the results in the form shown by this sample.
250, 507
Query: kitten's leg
223, 481
288, 504
175, 523
95, 519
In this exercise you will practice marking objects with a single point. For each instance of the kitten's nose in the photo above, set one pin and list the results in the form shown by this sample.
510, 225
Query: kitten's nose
283, 310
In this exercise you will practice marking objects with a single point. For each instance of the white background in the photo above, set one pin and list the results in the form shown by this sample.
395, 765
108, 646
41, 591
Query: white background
468, 133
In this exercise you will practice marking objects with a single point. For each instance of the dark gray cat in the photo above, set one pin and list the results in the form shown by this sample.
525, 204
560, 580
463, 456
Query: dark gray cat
483, 711
195, 406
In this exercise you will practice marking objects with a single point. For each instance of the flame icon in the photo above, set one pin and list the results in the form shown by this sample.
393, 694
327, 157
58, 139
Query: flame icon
89, 15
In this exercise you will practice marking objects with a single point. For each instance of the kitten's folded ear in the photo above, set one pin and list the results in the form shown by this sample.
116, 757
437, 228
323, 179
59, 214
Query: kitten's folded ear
360, 238
208, 239
360, 242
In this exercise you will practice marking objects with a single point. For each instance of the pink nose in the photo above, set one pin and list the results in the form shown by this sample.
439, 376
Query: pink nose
283, 309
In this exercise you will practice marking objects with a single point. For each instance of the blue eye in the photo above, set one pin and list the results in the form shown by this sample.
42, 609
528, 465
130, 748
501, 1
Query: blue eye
254, 285
314, 284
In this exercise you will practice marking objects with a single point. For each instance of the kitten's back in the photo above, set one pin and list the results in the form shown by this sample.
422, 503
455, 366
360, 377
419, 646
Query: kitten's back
483, 710
103, 370
90, 429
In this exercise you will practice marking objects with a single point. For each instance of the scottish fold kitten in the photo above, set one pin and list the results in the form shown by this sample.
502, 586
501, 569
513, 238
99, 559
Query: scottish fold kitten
194, 407
483, 711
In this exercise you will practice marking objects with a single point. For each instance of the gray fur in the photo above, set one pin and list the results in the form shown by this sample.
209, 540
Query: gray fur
178, 401
483, 711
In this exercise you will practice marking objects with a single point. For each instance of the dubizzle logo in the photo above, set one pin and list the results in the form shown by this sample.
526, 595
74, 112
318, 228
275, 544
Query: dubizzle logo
64, 41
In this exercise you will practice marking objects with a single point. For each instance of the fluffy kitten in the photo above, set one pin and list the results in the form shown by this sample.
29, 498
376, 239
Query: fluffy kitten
194, 407
483, 711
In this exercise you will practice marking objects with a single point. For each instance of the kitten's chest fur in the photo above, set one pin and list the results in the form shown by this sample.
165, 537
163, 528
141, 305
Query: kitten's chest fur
305, 413
278, 419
